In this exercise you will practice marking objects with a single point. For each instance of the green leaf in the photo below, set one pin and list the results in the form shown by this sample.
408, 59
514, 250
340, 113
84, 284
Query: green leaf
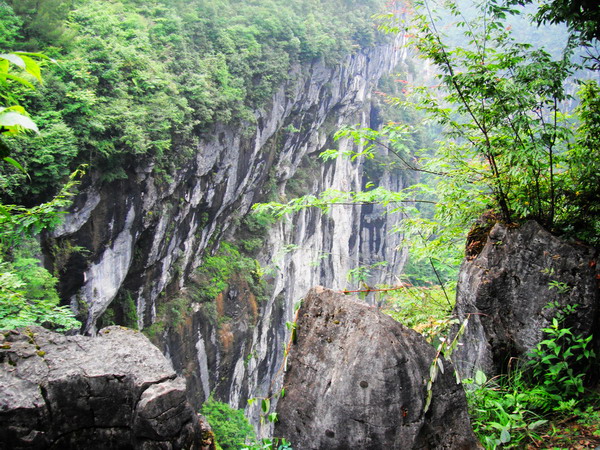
265, 405
14, 119
5, 212
480, 378
14, 163
504, 436
32, 67
23, 81
433, 371
536, 424
15, 59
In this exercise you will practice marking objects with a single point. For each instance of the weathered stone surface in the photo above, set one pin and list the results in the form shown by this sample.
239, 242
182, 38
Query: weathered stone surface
356, 380
113, 391
144, 237
239, 359
507, 287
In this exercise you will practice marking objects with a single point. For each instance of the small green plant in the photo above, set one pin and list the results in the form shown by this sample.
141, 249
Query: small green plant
215, 273
421, 308
560, 286
269, 444
500, 409
560, 362
508, 409
232, 430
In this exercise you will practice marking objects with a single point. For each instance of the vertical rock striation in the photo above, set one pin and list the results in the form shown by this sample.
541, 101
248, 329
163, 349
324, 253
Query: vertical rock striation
143, 234
144, 237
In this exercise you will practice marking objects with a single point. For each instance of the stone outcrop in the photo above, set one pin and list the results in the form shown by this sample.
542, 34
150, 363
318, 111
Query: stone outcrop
356, 380
507, 290
113, 391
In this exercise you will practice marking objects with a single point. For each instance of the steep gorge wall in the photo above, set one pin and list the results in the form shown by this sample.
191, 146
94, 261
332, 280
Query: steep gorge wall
143, 237
242, 358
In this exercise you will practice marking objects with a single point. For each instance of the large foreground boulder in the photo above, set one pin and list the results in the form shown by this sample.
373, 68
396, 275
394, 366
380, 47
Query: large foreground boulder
356, 379
514, 287
113, 391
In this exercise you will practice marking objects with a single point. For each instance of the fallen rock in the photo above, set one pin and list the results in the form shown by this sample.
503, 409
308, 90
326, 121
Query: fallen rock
356, 380
113, 391
514, 287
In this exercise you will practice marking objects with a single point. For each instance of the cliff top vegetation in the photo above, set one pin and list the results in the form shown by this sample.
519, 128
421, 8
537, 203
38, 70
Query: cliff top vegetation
145, 80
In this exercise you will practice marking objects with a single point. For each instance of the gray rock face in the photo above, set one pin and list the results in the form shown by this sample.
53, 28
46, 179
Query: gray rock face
115, 391
144, 236
356, 380
507, 287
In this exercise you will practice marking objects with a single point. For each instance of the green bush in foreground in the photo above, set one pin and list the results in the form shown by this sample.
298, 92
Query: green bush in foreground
510, 409
231, 428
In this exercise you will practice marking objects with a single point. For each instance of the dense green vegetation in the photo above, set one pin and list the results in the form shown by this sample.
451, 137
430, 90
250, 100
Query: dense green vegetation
27, 290
142, 81
139, 83
515, 409
234, 432
231, 428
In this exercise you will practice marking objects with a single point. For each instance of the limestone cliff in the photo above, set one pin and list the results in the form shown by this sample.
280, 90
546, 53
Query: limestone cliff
143, 237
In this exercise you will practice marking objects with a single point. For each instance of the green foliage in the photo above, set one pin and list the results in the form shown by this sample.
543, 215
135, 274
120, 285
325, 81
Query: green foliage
213, 276
502, 409
44, 20
510, 145
121, 311
50, 154
581, 16
138, 82
561, 361
445, 348
510, 408
424, 309
232, 430
15, 68
10, 25
580, 171
269, 444
17, 221
27, 290
28, 295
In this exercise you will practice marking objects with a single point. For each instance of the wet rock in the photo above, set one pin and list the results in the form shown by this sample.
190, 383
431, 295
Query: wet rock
514, 287
113, 391
356, 379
